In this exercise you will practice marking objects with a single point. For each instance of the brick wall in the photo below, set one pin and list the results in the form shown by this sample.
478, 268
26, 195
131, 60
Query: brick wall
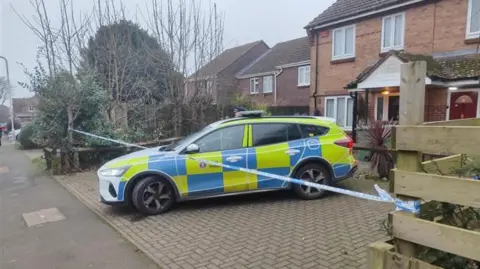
436, 27
288, 93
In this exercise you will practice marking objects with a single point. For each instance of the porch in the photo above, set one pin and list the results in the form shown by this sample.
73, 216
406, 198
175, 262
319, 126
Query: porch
452, 90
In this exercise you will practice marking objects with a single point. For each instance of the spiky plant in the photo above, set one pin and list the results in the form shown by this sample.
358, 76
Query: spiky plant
378, 133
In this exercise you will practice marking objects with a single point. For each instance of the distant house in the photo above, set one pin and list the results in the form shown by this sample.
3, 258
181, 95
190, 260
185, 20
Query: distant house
24, 109
218, 76
281, 76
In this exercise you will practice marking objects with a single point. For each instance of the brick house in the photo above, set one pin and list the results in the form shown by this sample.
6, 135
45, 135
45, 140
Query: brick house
218, 77
359, 45
281, 76
24, 109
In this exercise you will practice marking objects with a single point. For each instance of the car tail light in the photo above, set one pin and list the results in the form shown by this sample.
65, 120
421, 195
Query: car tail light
345, 142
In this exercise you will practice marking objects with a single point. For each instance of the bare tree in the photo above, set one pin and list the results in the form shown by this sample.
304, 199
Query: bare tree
4, 89
192, 36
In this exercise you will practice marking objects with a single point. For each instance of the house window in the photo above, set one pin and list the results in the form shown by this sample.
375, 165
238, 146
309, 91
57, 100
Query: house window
267, 84
393, 29
31, 109
254, 88
304, 75
209, 86
341, 109
473, 19
344, 42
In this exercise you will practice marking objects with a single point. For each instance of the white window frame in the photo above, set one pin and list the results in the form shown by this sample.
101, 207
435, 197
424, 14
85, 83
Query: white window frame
385, 104
471, 35
335, 102
344, 55
392, 34
270, 84
256, 88
303, 76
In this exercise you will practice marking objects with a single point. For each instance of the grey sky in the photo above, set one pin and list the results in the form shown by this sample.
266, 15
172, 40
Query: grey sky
245, 21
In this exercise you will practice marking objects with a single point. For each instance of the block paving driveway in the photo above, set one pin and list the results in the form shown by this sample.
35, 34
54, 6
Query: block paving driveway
269, 230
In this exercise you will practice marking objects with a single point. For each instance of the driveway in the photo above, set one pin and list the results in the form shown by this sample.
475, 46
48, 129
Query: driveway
269, 230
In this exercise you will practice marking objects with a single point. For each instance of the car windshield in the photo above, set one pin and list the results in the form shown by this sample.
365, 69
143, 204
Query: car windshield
177, 144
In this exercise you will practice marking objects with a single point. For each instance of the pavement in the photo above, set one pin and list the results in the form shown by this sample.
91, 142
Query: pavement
43, 226
267, 230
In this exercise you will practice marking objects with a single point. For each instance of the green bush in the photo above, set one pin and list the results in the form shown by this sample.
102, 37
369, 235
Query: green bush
25, 137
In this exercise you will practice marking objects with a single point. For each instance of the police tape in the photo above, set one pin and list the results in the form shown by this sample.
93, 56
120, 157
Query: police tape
383, 196
108, 139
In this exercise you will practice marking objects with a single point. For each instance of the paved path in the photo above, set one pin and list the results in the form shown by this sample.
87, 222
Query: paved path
269, 230
81, 240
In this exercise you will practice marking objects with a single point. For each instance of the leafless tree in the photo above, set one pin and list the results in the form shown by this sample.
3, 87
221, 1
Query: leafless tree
4, 89
192, 36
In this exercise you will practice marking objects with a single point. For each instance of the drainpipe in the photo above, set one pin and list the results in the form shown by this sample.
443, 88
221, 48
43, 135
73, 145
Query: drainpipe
275, 92
355, 109
316, 73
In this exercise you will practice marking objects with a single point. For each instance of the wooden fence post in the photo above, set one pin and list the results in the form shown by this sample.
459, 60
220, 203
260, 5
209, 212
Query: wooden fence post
412, 110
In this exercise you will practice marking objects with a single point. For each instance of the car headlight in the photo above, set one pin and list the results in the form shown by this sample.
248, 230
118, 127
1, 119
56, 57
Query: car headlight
114, 172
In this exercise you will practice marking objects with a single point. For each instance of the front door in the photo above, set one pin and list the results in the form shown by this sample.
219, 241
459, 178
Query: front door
463, 105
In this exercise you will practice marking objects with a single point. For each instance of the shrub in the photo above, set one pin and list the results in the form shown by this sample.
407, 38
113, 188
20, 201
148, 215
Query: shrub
26, 137
378, 135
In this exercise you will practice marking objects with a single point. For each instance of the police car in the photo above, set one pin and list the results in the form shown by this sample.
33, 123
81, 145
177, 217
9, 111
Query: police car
304, 147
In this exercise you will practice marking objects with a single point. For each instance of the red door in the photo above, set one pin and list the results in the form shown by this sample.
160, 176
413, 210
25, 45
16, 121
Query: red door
463, 105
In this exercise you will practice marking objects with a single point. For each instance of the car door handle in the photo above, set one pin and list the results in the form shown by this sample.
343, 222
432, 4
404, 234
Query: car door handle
234, 159
292, 152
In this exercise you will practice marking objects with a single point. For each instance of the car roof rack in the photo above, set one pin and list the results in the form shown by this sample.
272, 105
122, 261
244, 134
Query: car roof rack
252, 113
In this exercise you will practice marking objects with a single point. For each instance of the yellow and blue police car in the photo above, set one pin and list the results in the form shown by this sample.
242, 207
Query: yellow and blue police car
303, 147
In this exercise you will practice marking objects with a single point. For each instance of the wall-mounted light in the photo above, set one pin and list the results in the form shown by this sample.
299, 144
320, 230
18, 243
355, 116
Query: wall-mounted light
452, 88
385, 92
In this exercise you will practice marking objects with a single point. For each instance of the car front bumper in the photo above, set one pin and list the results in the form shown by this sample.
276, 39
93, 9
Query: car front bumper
111, 190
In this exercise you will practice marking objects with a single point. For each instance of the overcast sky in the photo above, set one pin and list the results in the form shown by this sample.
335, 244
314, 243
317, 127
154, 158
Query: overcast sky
245, 21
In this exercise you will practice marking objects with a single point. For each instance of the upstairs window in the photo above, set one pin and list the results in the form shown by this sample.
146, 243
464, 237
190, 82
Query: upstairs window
343, 44
304, 75
473, 19
268, 84
254, 87
393, 32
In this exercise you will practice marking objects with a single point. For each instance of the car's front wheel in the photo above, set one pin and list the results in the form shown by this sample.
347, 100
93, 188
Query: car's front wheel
313, 173
153, 196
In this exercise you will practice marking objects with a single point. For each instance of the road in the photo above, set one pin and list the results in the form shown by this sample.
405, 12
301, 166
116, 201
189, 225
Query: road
73, 238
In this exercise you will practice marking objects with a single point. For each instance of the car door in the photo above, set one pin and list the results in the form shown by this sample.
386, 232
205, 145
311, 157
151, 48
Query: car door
225, 146
275, 148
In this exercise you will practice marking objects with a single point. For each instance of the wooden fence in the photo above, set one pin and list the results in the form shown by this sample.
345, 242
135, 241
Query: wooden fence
413, 180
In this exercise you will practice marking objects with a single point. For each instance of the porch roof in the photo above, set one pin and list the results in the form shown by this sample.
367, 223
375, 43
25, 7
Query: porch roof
439, 69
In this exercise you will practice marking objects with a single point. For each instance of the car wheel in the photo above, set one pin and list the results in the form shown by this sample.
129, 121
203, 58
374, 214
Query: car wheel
153, 196
313, 173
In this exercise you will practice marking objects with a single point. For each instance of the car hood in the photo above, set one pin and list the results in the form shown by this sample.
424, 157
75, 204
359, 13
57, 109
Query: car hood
142, 153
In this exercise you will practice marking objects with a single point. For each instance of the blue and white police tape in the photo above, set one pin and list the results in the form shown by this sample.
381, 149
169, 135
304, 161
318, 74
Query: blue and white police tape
383, 196
108, 139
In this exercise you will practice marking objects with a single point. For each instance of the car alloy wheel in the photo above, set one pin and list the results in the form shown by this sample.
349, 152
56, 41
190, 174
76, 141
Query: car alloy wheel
153, 195
156, 196
315, 176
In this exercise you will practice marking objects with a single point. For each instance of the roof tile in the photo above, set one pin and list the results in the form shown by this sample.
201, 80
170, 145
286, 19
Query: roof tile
292, 51
343, 9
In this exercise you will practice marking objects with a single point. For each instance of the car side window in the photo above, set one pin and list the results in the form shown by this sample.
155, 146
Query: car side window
273, 133
313, 130
223, 139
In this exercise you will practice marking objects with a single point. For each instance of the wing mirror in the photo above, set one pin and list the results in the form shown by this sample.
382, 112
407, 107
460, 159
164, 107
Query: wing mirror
192, 148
